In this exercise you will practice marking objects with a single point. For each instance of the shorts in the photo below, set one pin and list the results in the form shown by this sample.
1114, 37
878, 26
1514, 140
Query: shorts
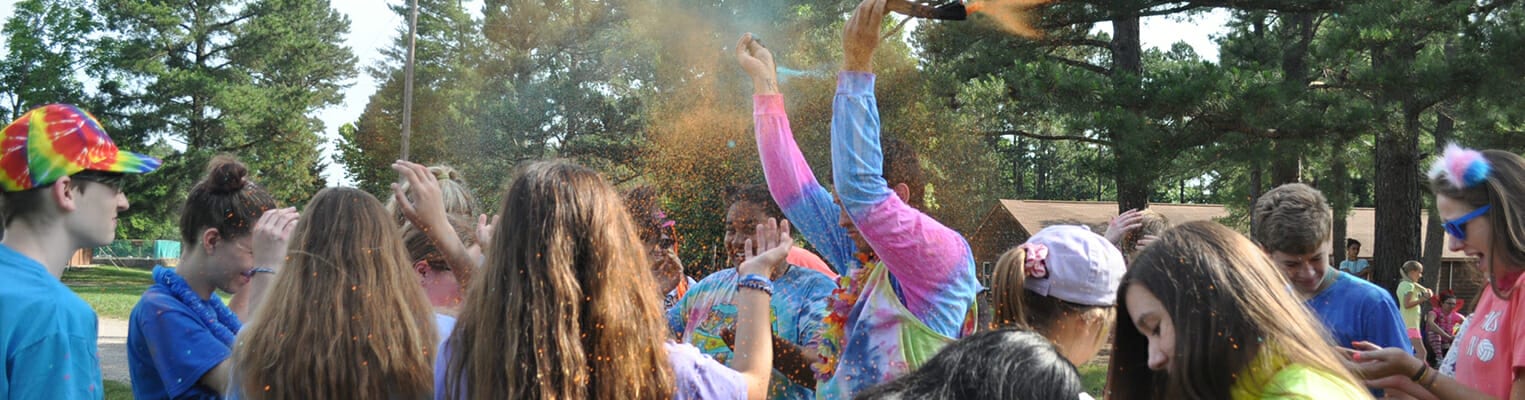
1414, 333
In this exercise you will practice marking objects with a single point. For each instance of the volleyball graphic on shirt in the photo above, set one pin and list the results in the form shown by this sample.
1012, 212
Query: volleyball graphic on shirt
1485, 350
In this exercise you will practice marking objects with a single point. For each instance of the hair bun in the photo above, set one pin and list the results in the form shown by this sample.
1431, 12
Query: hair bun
445, 173
226, 175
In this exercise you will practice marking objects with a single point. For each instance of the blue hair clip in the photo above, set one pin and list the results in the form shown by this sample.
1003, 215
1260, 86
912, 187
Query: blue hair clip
1464, 168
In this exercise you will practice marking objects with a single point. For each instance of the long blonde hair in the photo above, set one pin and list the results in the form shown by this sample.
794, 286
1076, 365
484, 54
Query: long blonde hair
562, 308
345, 317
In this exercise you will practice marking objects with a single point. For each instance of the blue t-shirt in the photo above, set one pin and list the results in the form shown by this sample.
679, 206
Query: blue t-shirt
169, 348
798, 303
1353, 309
47, 334
1354, 267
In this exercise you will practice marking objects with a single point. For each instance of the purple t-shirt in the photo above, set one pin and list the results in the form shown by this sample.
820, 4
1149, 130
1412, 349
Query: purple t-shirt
701, 377
697, 375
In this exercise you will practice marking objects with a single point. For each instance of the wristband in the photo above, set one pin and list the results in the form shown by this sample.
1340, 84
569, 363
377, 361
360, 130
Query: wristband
1434, 376
1418, 375
258, 270
755, 282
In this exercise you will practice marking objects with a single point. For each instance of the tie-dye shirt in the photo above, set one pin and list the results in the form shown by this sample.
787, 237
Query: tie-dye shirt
921, 294
798, 303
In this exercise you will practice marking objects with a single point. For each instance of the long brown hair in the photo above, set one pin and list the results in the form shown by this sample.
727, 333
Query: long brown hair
346, 317
1227, 304
1504, 190
562, 308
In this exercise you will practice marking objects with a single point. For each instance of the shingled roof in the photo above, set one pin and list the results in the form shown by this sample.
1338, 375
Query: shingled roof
1034, 215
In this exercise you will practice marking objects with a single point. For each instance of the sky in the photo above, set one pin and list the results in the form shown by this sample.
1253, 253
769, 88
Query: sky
373, 26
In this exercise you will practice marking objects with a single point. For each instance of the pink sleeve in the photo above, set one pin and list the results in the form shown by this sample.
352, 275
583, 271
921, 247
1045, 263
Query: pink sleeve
1516, 332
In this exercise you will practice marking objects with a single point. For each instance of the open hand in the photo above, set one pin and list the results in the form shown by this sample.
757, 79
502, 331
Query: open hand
485, 229
1119, 226
758, 62
271, 234
770, 250
1144, 242
1375, 363
426, 209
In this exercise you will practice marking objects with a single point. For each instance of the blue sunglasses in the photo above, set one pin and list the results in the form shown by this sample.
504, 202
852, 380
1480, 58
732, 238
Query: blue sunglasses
1457, 227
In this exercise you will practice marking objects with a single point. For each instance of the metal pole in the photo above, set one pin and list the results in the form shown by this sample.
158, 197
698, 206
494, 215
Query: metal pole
407, 86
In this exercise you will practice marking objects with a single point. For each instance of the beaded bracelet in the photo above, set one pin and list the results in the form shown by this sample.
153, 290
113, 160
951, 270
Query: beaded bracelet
756, 282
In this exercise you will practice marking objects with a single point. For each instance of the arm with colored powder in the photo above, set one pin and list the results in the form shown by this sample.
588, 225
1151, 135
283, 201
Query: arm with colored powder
931, 262
794, 187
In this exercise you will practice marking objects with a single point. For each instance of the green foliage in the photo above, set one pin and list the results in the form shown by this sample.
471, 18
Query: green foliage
46, 42
118, 391
186, 80
111, 291
1094, 377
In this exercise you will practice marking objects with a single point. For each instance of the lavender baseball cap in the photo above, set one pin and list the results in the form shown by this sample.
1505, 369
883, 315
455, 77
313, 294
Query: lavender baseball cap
1082, 266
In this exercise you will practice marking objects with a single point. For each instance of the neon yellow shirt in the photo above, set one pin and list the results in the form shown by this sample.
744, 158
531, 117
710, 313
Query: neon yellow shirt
1274, 378
1410, 314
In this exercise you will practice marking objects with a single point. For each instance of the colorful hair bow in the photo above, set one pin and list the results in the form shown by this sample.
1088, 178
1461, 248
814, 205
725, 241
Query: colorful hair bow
662, 221
1036, 263
1463, 167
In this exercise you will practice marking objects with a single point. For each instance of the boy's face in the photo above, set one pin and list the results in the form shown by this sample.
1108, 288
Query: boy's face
96, 204
1305, 271
741, 221
846, 222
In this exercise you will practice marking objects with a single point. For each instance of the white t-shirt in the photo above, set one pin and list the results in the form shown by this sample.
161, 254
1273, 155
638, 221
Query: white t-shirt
1354, 267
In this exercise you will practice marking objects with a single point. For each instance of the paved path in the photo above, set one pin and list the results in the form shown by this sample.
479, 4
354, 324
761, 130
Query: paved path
113, 350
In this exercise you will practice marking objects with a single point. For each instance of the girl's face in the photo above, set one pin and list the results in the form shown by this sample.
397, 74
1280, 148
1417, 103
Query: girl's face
1479, 240
1415, 274
1151, 319
1448, 305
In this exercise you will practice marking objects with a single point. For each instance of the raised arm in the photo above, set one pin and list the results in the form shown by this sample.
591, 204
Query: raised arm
270, 235
807, 204
932, 263
427, 212
754, 345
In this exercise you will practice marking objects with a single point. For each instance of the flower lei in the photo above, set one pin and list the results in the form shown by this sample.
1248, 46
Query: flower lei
224, 324
842, 300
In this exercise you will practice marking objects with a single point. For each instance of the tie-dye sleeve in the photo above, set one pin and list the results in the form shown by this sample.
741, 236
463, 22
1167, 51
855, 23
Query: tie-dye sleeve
931, 262
804, 201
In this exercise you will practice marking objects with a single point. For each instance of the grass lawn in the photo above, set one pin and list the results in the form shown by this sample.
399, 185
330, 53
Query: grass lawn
1094, 376
118, 391
111, 291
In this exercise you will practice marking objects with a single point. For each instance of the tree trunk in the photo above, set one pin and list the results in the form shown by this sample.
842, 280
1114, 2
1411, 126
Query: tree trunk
1435, 235
1019, 177
1338, 192
1134, 178
1397, 200
1286, 165
1255, 189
